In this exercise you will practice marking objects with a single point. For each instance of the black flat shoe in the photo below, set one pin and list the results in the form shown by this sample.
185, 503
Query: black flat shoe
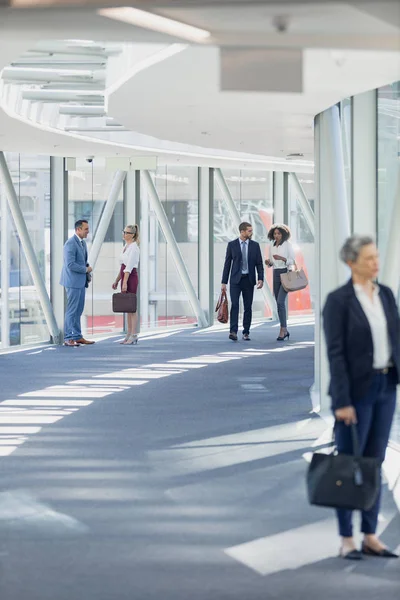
384, 553
233, 336
352, 555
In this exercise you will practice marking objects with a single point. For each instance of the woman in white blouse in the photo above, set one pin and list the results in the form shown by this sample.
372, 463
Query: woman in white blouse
362, 332
281, 256
128, 275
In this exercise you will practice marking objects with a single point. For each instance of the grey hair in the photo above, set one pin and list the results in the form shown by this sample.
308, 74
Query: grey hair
351, 248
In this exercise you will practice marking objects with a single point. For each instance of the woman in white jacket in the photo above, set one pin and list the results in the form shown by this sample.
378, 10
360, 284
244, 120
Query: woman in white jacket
281, 256
128, 275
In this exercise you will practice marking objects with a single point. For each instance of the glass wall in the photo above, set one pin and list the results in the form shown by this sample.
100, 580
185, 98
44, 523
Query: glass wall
88, 189
31, 178
252, 194
302, 302
388, 180
165, 296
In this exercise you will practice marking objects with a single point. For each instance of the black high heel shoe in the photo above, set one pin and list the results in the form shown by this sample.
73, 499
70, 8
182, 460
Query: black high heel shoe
384, 553
281, 339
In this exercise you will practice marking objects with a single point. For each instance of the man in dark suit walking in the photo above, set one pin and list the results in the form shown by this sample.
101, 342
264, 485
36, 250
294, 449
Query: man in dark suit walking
243, 259
75, 277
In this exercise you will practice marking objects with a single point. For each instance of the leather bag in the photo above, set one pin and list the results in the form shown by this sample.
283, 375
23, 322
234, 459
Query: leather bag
222, 308
343, 480
293, 281
124, 302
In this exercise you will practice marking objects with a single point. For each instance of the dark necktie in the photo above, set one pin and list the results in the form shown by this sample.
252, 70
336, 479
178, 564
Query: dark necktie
244, 257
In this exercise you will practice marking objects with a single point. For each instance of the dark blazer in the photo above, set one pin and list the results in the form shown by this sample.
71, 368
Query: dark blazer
349, 343
233, 262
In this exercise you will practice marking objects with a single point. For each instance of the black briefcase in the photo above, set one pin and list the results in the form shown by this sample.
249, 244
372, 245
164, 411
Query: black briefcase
124, 302
342, 480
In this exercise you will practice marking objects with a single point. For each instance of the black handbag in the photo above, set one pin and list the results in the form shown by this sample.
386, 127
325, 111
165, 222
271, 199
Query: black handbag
343, 480
124, 302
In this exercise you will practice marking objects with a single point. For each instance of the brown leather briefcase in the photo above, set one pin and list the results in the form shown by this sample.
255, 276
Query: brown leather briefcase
124, 302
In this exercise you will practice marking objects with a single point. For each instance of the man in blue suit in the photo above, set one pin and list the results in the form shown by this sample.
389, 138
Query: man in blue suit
75, 277
243, 259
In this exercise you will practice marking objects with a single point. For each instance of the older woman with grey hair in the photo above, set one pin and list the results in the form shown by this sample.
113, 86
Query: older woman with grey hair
362, 330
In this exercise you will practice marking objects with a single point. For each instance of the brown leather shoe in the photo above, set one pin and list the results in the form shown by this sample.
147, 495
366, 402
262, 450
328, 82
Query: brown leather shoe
83, 341
71, 343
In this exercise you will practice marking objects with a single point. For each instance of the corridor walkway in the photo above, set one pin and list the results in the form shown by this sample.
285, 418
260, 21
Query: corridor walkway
172, 470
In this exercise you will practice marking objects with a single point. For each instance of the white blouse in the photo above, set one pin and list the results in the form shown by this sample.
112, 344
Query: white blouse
375, 314
285, 250
130, 257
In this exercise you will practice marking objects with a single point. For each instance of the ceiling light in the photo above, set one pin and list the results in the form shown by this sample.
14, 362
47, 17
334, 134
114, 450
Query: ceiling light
141, 18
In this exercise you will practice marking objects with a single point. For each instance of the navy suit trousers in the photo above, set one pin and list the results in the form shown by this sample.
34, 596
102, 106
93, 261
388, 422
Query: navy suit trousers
374, 419
75, 306
245, 288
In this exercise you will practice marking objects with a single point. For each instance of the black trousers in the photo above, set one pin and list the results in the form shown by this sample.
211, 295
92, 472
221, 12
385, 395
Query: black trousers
280, 296
374, 419
245, 288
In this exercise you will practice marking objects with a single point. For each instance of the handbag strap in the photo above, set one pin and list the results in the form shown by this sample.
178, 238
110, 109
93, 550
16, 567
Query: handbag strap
222, 298
354, 439
356, 442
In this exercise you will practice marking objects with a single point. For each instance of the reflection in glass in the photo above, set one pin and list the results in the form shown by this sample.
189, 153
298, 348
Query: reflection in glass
31, 178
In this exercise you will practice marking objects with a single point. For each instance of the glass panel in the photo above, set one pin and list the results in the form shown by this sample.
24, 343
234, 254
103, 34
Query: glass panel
31, 179
388, 179
88, 191
301, 302
252, 195
168, 304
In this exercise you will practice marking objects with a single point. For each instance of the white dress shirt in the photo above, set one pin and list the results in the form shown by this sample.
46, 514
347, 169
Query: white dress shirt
246, 242
285, 250
375, 314
130, 257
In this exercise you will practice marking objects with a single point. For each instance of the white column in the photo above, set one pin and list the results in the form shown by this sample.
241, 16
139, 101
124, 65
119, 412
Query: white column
173, 247
265, 290
29, 251
131, 187
106, 217
5, 273
145, 260
58, 233
364, 170
332, 227
206, 242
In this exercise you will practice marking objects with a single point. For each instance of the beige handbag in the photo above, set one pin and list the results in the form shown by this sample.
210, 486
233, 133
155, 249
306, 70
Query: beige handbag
293, 281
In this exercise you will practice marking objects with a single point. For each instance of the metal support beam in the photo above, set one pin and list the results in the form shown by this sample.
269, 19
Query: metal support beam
132, 216
307, 211
106, 217
58, 233
173, 247
5, 273
206, 241
29, 251
279, 197
226, 194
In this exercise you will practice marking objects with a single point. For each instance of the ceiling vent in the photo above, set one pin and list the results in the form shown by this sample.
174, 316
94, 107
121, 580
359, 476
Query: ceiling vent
294, 156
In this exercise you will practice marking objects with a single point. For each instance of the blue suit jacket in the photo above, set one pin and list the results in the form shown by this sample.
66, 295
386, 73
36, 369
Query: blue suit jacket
73, 274
349, 343
233, 262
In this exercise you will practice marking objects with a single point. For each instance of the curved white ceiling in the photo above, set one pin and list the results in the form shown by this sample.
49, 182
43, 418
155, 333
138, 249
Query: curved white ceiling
180, 100
175, 108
